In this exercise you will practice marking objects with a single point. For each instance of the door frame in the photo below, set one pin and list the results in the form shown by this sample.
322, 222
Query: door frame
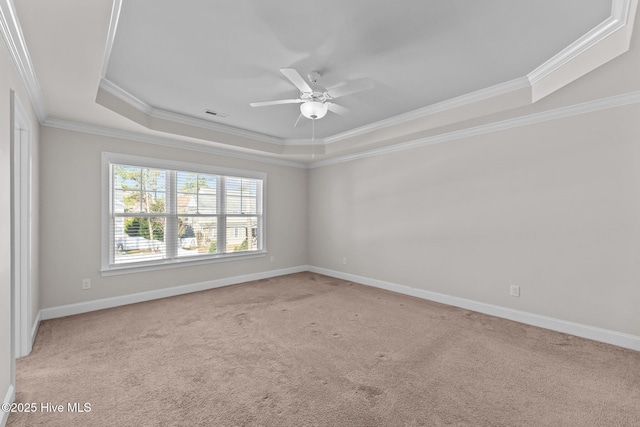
21, 227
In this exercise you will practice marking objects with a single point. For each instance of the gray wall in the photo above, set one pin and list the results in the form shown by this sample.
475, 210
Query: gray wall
70, 229
553, 207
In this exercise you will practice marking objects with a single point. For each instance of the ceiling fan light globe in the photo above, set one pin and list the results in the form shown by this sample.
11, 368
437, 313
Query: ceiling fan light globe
313, 110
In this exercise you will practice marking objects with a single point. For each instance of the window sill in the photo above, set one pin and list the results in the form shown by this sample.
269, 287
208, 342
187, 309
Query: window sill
114, 270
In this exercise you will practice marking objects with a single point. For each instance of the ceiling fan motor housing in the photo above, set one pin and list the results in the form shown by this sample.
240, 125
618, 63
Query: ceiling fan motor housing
314, 76
315, 96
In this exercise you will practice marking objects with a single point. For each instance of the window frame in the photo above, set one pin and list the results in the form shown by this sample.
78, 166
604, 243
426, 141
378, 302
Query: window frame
108, 267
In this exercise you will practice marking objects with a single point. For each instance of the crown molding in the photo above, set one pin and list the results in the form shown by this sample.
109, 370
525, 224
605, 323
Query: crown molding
14, 39
166, 142
157, 113
160, 114
111, 35
618, 20
586, 42
12, 34
559, 113
125, 96
457, 102
621, 9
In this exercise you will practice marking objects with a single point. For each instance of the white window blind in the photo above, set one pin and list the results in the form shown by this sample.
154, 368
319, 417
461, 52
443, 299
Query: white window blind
160, 215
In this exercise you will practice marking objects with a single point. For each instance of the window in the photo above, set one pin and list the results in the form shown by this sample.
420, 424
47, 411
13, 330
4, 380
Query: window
159, 212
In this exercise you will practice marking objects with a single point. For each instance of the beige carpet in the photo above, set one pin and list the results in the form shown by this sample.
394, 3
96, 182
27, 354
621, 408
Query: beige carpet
309, 350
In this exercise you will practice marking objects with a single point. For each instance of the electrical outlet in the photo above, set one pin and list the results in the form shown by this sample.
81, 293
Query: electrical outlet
86, 283
344, 261
514, 291
272, 259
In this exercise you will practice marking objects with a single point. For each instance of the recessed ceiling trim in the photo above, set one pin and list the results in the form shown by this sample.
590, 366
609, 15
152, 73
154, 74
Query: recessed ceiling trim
111, 35
158, 113
621, 12
460, 101
544, 116
542, 81
14, 39
166, 142
176, 129
584, 43
125, 96
192, 121
620, 9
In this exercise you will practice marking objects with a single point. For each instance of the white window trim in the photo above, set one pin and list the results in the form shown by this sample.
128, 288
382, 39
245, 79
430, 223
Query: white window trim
108, 269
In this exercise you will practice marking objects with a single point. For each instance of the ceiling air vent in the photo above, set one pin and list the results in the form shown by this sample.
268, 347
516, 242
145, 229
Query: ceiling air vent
216, 114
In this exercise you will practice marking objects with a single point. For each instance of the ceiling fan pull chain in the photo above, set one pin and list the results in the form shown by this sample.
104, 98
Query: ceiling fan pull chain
313, 139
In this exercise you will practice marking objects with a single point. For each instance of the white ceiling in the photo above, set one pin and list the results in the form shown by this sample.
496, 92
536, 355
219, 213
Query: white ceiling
171, 61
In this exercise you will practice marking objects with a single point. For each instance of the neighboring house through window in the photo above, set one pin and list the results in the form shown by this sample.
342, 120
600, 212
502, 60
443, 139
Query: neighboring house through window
159, 212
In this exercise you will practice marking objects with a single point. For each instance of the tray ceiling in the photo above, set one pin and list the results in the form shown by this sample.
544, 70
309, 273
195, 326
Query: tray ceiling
160, 65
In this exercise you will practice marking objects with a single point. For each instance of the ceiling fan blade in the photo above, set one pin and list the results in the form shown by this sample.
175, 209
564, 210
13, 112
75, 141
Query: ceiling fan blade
352, 87
338, 109
299, 122
295, 78
281, 101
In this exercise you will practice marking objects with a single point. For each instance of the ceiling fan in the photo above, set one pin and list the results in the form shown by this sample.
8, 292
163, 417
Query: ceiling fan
314, 99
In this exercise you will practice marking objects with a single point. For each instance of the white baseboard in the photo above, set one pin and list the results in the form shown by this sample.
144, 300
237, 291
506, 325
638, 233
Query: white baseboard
85, 307
9, 399
36, 325
585, 331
